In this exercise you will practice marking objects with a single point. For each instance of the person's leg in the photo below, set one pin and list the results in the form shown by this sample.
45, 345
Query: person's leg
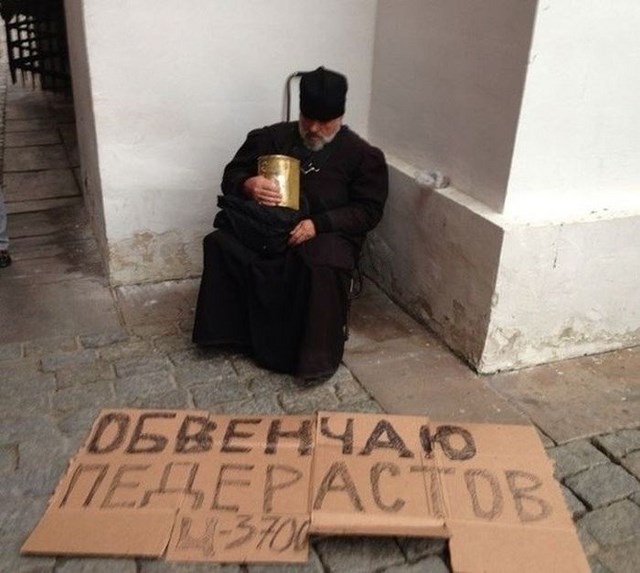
329, 259
5, 259
324, 334
221, 310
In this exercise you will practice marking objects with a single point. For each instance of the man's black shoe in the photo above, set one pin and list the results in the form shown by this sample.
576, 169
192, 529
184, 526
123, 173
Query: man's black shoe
5, 259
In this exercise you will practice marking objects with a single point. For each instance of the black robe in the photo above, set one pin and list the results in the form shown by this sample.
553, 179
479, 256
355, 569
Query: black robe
290, 311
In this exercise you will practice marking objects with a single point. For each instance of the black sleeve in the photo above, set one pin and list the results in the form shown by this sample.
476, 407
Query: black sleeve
245, 162
367, 196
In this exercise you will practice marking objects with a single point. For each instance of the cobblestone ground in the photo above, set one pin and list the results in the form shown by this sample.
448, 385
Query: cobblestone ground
53, 389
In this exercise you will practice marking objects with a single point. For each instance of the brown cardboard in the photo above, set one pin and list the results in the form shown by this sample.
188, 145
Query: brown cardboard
194, 486
367, 477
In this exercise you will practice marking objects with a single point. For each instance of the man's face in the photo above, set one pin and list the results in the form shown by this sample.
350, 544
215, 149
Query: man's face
316, 134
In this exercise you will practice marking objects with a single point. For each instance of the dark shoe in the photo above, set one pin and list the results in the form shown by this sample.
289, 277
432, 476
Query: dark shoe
5, 259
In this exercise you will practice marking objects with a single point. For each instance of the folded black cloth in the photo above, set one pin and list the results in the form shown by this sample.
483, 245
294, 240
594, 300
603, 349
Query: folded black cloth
264, 230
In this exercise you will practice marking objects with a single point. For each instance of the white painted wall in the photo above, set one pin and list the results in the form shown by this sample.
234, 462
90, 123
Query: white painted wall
436, 253
175, 88
85, 122
564, 290
447, 84
567, 283
577, 148
533, 254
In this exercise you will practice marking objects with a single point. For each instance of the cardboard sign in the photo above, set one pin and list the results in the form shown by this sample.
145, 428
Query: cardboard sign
193, 486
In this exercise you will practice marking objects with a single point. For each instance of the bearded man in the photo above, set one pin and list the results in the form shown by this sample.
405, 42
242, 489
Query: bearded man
289, 311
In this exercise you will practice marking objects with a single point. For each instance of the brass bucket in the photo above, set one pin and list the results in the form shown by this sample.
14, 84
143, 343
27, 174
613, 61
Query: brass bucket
284, 171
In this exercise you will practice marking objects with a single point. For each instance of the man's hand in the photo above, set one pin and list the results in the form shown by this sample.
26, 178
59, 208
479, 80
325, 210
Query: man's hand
302, 232
262, 190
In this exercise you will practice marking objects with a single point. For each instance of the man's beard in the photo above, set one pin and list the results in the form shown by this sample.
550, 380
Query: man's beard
316, 141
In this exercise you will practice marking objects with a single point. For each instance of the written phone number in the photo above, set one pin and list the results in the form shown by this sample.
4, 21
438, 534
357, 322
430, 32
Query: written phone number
270, 533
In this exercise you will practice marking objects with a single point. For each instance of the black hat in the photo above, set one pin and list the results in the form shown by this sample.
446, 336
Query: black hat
322, 94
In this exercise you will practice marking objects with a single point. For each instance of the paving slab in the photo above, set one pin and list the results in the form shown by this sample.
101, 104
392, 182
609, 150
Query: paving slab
603, 484
41, 266
67, 222
13, 125
415, 375
313, 565
65, 308
429, 565
159, 566
36, 185
35, 157
358, 554
624, 558
615, 524
632, 464
40, 204
621, 443
575, 457
29, 138
578, 398
158, 302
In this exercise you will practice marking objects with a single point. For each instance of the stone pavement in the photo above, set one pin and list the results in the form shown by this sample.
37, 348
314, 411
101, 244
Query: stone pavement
70, 345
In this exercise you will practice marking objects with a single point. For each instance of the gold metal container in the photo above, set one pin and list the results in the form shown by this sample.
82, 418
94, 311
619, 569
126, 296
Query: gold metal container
284, 171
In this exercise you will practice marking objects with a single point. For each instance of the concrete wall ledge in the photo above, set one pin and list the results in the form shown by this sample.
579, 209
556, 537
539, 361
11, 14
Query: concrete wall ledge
507, 292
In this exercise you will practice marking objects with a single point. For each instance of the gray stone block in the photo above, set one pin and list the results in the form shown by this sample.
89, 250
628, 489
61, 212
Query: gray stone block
96, 565
134, 365
174, 343
148, 331
271, 382
103, 339
621, 443
589, 544
219, 391
133, 389
201, 372
431, 564
8, 458
77, 425
358, 554
247, 368
602, 485
161, 566
368, 406
11, 351
416, 548
127, 349
26, 393
576, 507
20, 371
309, 400
266, 404
615, 524
52, 362
96, 396
313, 565
256, 406
596, 566
624, 558
347, 389
575, 457
88, 374
190, 353
51, 345
632, 463
547, 442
